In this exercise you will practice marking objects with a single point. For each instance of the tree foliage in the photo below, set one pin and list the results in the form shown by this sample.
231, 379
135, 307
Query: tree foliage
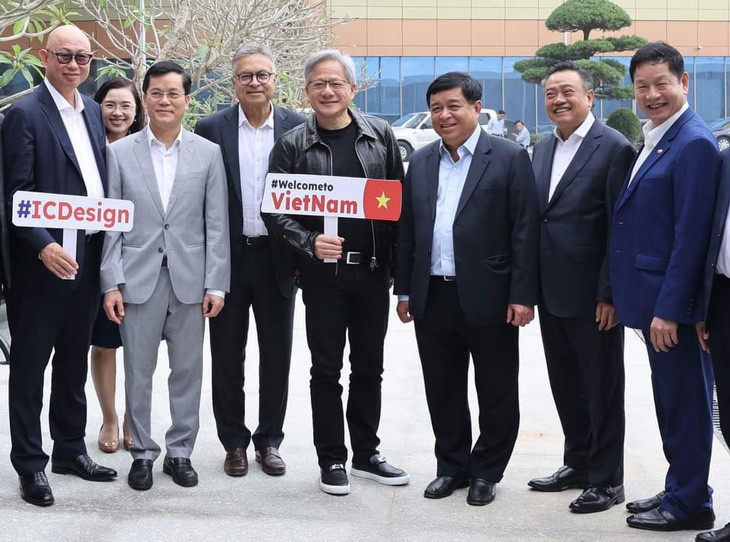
585, 16
200, 34
625, 121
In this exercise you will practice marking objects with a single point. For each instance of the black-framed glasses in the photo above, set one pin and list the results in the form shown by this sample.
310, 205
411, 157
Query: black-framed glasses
64, 57
246, 78
337, 85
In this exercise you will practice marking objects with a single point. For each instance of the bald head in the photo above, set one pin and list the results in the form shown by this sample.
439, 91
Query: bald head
65, 78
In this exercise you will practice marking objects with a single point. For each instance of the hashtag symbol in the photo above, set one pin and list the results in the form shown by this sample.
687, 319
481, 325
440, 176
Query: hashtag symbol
23, 208
273, 183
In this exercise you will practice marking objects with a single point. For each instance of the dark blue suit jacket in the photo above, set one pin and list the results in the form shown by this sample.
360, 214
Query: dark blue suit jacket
661, 228
495, 231
575, 223
4, 225
222, 128
718, 227
39, 157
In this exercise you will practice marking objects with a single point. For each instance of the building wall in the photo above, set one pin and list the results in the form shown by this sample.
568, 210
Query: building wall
514, 27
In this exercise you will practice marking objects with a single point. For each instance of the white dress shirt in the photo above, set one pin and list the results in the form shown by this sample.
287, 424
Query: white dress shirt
566, 150
652, 136
496, 126
452, 176
254, 147
73, 120
523, 137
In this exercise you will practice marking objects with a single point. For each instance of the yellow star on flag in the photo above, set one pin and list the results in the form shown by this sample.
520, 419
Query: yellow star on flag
382, 200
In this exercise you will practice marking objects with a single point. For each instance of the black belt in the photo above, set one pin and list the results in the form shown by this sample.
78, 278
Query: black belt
353, 258
444, 278
258, 241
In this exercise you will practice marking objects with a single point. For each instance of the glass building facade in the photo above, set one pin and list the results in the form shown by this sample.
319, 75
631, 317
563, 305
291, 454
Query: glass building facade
399, 87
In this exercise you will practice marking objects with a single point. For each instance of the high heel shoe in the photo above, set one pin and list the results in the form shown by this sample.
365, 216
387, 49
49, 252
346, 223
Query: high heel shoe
107, 446
128, 440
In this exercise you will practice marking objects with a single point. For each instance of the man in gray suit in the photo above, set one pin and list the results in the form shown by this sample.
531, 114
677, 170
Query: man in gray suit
156, 276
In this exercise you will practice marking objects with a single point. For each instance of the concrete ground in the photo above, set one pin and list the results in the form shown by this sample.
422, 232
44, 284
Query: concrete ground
258, 507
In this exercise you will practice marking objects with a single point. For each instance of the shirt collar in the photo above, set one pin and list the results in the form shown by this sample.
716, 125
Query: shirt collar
151, 139
242, 120
654, 134
581, 131
469, 145
61, 102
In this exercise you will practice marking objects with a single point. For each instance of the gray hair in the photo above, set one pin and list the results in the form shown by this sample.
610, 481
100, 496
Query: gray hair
253, 49
348, 64
568, 65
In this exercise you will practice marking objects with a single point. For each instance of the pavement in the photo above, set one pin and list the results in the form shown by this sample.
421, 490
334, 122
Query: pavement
291, 507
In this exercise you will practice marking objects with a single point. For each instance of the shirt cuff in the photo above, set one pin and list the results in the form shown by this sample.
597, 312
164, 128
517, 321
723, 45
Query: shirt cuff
404, 297
219, 293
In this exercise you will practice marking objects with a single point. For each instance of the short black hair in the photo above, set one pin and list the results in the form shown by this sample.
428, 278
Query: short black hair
123, 82
518, 122
162, 68
470, 87
568, 65
501, 112
658, 52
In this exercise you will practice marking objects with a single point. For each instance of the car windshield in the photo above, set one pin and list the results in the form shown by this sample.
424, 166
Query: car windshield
410, 120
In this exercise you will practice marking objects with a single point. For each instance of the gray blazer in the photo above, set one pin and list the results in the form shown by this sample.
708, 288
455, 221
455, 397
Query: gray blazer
193, 233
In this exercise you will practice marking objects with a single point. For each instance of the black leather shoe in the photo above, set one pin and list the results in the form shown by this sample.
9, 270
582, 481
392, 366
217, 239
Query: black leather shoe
443, 486
182, 472
83, 467
481, 492
721, 535
660, 519
140, 475
271, 462
35, 489
597, 499
563, 478
644, 505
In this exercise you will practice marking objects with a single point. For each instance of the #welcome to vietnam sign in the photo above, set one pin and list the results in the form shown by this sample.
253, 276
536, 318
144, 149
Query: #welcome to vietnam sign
331, 196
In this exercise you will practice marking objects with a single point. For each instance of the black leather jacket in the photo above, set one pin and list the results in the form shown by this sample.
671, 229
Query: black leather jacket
302, 151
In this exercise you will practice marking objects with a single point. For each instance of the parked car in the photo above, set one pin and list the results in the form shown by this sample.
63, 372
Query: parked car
415, 130
721, 131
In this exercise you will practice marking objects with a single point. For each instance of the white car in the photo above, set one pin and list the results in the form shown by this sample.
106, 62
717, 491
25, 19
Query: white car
415, 130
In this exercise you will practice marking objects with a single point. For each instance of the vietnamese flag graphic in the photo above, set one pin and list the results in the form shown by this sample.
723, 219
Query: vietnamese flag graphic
382, 199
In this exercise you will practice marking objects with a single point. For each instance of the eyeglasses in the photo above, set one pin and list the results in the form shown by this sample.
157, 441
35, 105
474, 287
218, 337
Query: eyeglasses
337, 85
246, 78
63, 57
159, 94
112, 106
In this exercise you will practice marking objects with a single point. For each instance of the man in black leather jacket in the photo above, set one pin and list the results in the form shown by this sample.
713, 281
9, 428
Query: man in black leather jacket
350, 296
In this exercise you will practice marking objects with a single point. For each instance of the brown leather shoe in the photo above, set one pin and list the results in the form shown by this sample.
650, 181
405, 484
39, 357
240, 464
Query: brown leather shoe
271, 462
236, 463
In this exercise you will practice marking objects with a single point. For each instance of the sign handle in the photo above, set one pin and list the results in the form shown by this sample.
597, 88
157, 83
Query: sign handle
330, 228
69, 243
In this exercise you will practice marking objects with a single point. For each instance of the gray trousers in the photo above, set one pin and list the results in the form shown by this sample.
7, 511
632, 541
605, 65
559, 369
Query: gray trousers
182, 326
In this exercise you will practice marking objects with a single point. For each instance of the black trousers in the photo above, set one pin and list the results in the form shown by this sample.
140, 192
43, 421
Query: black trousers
253, 284
445, 342
718, 324
42, 321
345, 301
586, 370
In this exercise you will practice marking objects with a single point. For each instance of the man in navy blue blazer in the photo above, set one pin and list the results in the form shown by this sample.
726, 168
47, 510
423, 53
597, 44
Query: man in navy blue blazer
660, 233
53, 141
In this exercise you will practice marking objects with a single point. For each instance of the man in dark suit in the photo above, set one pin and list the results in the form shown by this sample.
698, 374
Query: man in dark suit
262, 270
467, 277
714, 331
53, 141
579, 173
661, 228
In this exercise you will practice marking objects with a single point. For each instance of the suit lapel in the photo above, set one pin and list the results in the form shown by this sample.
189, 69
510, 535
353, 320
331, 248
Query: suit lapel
229, 137
49, 108
143, 155
479, 163
185, 160
585, 152
655, 155
543, 171
432, 175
